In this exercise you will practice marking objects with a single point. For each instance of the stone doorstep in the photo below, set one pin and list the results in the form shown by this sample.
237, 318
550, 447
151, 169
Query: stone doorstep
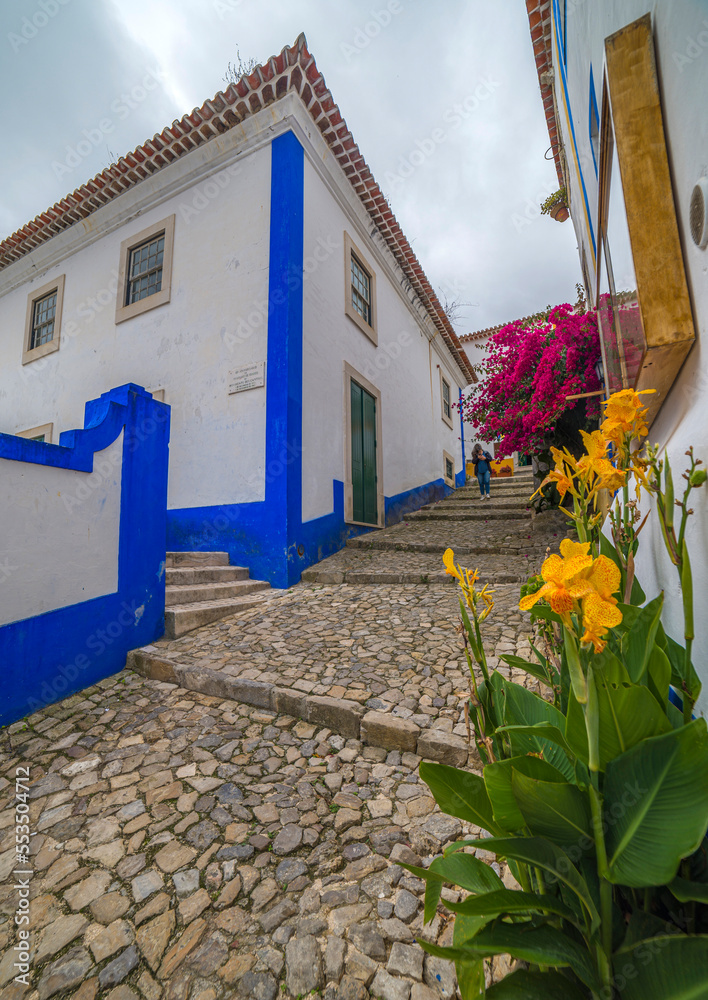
347, 718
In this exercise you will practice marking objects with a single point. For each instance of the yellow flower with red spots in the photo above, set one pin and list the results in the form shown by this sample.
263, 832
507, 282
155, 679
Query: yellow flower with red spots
624, 414
575, 582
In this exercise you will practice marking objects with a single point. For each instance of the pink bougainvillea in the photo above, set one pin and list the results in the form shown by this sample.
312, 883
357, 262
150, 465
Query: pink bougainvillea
526, 376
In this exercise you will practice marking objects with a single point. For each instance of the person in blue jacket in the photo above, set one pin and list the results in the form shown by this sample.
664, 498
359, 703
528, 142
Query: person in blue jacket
481, 460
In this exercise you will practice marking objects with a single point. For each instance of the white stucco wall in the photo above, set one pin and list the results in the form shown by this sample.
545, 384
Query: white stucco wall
68, 523
681, 44
403, 366
216, 321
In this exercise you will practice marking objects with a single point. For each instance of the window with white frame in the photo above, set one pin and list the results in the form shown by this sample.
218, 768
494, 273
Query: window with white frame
360, 289
446, 399
145, 270
43, 321
448, 469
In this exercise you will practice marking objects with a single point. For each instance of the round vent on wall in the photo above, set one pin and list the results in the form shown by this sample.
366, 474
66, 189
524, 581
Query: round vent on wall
698, 213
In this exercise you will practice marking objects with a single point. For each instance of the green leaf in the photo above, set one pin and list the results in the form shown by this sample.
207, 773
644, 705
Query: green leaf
553, 860
560, 812
468, 872
659, 676
535, 669
671, 967
526, 985
524, 708
638, 641
542, 731
656, 806
470, 972
541, 945
688, 892
627, 714
510, 901
498, 778
679, 674
459, 793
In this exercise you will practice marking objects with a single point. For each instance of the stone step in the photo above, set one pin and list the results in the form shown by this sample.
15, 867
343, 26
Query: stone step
473, 503
183, 618
205, 574
197, 559
199, 592
378, 566
484, 512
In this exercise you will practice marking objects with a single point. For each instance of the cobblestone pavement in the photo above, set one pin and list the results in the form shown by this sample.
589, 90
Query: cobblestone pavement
188, 848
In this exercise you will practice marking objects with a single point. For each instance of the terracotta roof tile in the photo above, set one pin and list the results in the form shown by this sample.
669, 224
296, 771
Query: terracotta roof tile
225, 110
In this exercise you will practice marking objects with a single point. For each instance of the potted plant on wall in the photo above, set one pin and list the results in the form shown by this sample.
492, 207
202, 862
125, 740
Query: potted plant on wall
556, 205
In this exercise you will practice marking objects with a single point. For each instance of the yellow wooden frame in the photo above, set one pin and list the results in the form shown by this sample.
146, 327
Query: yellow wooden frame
633, 100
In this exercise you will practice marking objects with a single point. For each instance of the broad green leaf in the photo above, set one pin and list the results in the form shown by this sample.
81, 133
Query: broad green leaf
535, 669
468, 872
553, 860
560, 812
540, 945
509, 901
470, 973
433, 888
671, 967
459, 793
524, 708
497, 778
677, 657
541, 731
656, 806
638, 641
658, 676
627, 714
687, 892
526, 985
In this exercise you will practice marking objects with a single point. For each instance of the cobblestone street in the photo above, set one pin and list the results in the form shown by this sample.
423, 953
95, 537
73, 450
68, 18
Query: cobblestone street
192, 845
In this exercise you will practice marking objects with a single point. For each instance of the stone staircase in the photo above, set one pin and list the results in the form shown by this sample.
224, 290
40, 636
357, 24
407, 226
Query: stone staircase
500, 536
202, 587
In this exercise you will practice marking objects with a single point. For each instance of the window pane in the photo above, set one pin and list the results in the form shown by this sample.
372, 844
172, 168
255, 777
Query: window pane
361, 291
145, 269
43, 317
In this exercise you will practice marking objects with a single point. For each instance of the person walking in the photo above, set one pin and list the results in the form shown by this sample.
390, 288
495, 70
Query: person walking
481, 460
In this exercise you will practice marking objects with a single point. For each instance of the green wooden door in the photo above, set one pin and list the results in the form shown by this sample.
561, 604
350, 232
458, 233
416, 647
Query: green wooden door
364, 484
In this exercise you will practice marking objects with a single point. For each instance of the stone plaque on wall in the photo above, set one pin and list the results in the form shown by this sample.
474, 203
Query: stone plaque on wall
247, 377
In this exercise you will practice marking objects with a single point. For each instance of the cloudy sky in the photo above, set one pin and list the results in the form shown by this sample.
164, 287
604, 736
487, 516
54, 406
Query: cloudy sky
442, 98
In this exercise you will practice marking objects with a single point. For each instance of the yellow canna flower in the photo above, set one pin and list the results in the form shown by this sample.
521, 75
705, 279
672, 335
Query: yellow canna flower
466, 581
624, 414
600, 611
565, 584
560, 475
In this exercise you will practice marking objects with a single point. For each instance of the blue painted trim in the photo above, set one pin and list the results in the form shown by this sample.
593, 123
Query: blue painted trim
564, 33
564, 80
52, 655
242, 529
461, 477
592, 106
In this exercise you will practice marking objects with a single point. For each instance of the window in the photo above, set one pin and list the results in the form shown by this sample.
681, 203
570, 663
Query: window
446, 399
360, 289
594, 125
43, 322
145, 270
145, 273
448, 469
42, 433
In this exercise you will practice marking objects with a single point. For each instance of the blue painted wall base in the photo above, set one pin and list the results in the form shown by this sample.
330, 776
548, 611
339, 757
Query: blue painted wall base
50, 656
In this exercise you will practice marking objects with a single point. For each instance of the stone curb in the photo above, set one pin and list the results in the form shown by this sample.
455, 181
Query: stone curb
347, 718
357, 576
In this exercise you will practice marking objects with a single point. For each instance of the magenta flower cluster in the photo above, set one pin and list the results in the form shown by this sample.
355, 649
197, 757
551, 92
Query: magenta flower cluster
527, 373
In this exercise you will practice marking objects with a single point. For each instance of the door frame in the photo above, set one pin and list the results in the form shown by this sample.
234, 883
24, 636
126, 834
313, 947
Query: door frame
352, 375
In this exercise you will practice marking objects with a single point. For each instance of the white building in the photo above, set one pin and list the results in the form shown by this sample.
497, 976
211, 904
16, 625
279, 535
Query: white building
244, 266
624, 86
